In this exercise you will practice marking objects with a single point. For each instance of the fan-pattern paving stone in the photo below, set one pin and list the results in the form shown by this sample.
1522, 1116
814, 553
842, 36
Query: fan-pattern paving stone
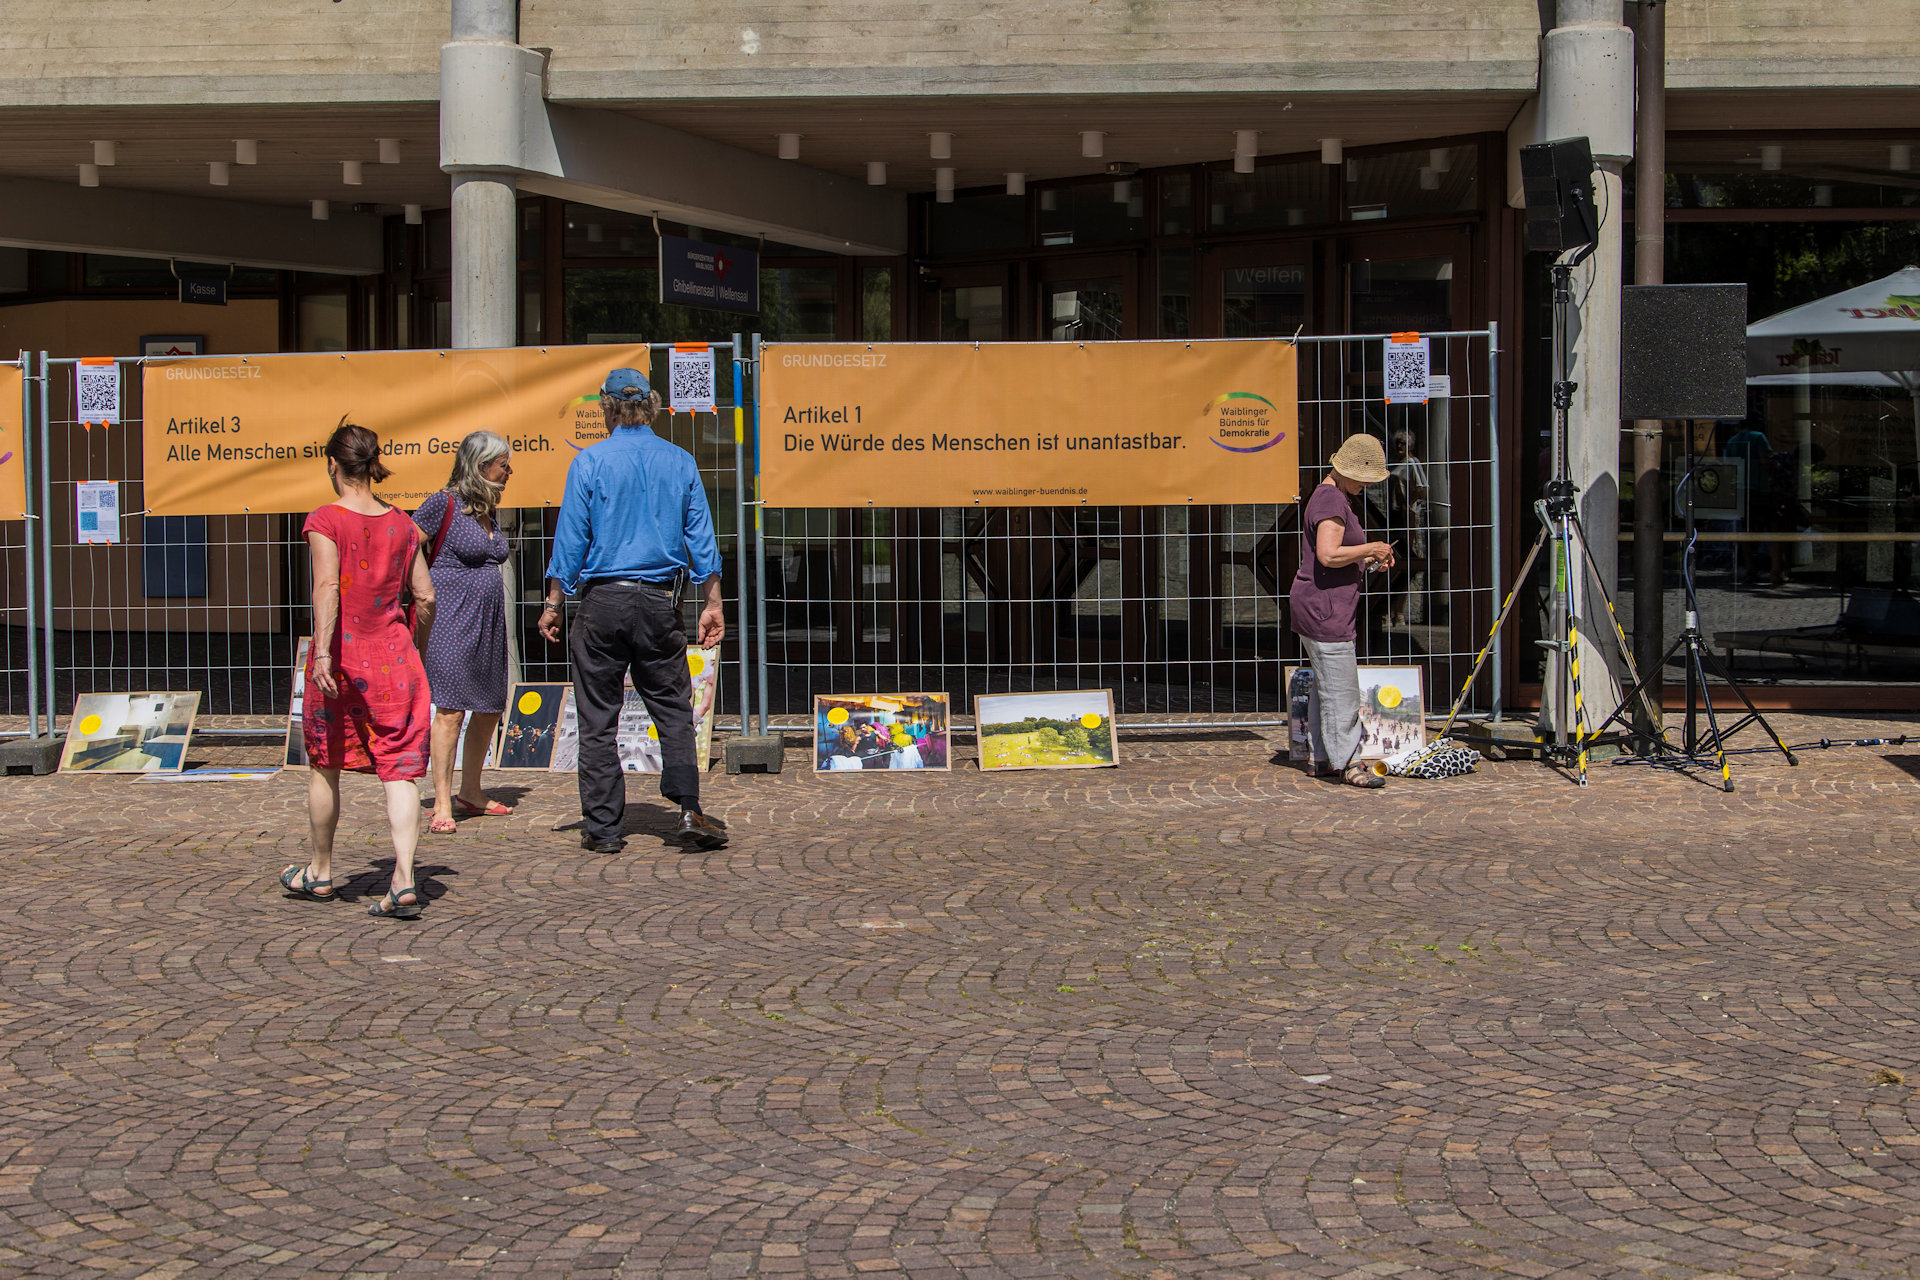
1199, 1016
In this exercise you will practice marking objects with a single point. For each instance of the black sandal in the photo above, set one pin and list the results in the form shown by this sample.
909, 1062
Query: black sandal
398, 910
294, 881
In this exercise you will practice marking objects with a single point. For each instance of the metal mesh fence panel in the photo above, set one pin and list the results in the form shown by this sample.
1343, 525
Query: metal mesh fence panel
24, 691
1180, 611
219, 603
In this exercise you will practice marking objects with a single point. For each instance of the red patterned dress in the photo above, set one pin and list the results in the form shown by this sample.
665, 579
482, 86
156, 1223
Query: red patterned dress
378, 723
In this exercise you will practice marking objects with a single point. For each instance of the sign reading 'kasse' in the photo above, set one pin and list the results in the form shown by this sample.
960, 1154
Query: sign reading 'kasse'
694, 273
1028, 424
222, 435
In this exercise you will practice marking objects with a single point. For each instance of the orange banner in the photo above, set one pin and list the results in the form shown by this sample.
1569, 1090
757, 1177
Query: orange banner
229, 434
1028, 424
13, 447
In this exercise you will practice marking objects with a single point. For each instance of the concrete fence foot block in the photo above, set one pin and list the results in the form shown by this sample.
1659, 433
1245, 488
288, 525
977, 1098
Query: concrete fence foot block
755, 753
29, 755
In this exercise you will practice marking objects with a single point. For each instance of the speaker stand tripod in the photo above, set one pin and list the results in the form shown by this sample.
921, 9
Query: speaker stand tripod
1559, 516
1695, 747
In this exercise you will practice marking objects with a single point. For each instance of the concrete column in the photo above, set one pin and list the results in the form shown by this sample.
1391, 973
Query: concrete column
485, 261
486, 219
1586, 90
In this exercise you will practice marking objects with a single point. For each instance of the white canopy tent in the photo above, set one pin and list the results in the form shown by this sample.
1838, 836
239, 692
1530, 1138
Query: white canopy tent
1865, 336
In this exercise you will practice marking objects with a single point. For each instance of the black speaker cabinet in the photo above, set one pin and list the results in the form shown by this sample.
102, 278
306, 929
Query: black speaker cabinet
1556, 179
1683, 351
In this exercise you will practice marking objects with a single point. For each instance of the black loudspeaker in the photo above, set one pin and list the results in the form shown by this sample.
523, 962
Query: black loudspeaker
1683, 351
1556, 179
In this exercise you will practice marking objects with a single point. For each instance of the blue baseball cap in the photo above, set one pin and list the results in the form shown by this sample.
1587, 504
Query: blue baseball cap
626, 384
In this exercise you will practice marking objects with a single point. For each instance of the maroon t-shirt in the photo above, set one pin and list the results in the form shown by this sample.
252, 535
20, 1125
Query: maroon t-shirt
1325, 600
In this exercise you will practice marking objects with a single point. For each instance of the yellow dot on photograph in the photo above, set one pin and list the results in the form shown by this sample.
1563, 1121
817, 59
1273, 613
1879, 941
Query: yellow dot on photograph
529, 702
837, 715
1091, 720
695, 664
653, 733
89, 726
1389, 696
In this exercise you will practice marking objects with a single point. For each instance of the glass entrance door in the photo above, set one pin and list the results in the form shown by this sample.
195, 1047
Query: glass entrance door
1418, 282
1235, 563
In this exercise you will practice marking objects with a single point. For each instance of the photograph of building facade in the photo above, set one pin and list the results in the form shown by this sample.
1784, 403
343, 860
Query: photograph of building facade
377, 174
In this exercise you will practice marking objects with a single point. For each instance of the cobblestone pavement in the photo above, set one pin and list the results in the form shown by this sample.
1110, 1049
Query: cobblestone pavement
1196, 1016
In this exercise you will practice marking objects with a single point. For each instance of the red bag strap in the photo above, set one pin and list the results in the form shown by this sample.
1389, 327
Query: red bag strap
446, 522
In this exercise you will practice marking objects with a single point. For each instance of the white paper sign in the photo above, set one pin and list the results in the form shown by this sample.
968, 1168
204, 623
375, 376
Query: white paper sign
98, 507
96, 393
1440, 386
690, 379
1408, 366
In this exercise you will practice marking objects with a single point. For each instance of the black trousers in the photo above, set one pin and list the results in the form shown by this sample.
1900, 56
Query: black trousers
621, 629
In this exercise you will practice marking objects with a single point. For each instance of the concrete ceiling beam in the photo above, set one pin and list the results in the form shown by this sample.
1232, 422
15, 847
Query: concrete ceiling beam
148, 224
495, 118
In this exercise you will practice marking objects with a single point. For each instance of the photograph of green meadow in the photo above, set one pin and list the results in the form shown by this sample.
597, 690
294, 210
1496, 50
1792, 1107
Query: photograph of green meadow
1068, 730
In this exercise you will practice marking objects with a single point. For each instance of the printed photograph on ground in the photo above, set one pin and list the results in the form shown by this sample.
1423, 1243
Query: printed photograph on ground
1393, 714
862, 731
1302, 707
130, 732
1065, 730
638, 741
296, 753
1393, 711
526, 736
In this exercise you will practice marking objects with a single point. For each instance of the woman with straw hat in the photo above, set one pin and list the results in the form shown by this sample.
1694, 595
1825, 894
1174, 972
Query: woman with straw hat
1326, 597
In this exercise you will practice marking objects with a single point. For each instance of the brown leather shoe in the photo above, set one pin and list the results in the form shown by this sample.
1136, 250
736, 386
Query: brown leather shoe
701, 831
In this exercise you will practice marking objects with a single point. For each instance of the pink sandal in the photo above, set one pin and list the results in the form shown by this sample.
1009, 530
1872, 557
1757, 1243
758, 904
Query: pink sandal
442, 827
494, 809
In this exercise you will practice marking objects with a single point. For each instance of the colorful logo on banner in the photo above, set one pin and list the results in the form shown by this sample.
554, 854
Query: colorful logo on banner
1245, 422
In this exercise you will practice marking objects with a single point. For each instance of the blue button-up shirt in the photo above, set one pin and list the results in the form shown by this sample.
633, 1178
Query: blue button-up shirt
634, 508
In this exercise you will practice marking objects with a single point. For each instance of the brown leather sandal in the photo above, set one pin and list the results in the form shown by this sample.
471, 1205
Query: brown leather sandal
1359, 775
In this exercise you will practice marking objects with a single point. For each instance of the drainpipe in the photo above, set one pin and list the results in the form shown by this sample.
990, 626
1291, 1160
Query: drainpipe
1649, 267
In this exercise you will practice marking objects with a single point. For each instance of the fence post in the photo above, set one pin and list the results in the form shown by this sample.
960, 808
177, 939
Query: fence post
28, 453
1493, 489
742, 550
46, 541
760, 545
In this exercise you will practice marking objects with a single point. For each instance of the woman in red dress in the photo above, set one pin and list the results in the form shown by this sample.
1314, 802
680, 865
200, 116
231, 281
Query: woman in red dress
373, 713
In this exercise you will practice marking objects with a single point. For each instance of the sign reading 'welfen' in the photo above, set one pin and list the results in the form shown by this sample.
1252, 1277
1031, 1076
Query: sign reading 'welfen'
694, 273
1028, 424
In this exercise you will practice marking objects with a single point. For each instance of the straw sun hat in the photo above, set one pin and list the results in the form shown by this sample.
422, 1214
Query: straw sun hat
1360, 458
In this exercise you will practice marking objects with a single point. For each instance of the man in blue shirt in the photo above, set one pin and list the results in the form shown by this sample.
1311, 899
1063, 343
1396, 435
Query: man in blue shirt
634, 528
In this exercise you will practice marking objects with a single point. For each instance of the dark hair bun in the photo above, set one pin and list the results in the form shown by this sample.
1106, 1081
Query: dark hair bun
357, 452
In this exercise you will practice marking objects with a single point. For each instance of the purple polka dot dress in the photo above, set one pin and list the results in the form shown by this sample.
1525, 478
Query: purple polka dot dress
467, 648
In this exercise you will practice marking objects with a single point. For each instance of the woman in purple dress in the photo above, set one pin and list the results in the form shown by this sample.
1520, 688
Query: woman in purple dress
1325, 598
466, 656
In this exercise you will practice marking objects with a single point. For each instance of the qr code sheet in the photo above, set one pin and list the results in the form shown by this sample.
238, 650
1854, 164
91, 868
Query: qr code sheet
690, 381
96, 395
1407, 368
